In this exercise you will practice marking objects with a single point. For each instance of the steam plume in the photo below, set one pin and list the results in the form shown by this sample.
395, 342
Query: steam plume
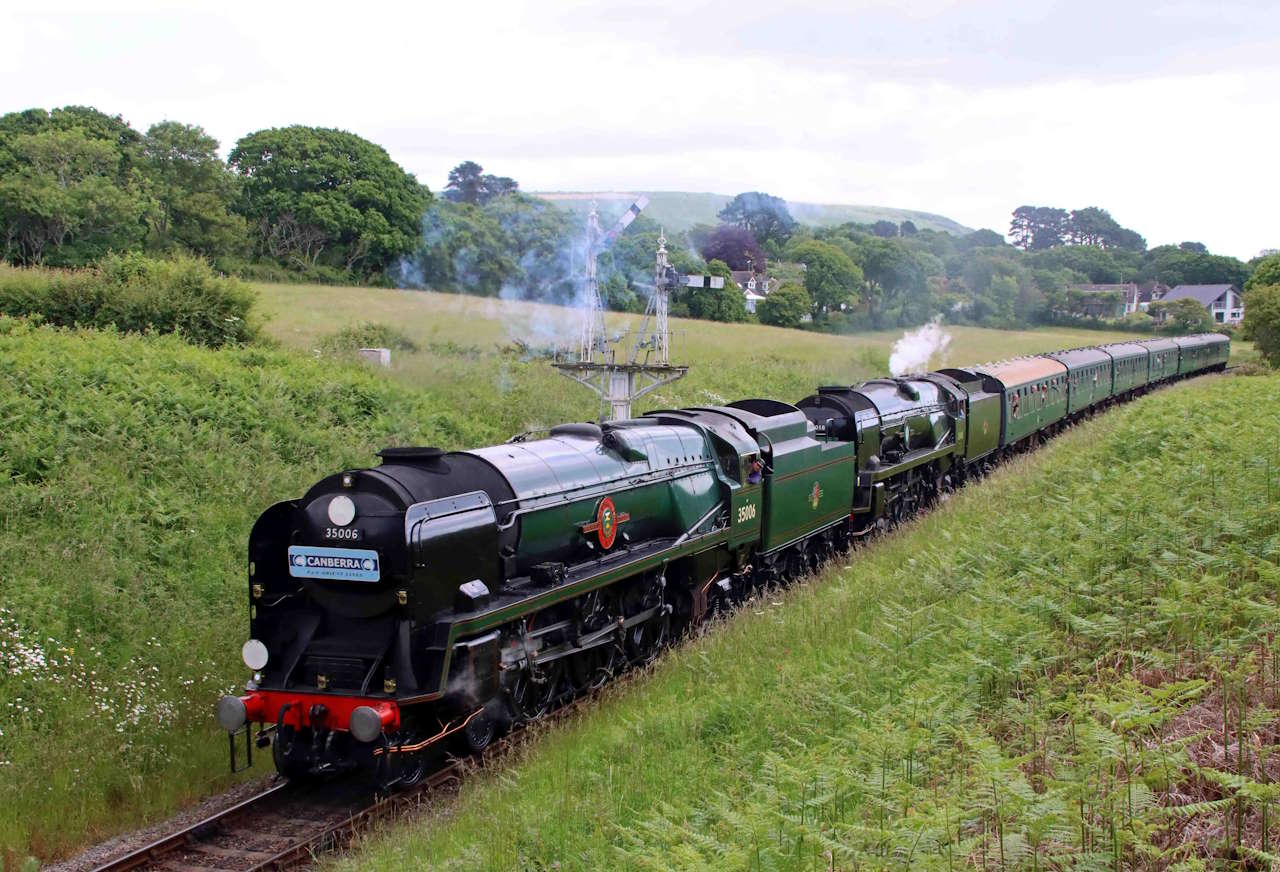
913, 351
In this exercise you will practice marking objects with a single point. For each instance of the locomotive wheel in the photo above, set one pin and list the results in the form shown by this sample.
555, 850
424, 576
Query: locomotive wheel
480, 731
531, 699
593, 668
411, 768
645, 641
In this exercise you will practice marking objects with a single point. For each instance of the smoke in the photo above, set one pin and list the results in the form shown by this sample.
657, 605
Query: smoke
913, 351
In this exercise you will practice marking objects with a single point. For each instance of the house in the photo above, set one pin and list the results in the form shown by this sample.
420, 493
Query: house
1224, 302
1103, 301
755, 292
754, 287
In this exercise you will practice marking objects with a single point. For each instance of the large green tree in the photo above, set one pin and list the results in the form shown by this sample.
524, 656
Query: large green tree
765, 216
323, 197
831, 278
469, 183
69, 190
191, 191
1262, 321
897, 286
462, 250
1266, 271
1173, 265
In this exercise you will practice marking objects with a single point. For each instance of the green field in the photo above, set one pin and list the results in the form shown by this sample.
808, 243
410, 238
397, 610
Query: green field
467, 361
136, 466
1030, 677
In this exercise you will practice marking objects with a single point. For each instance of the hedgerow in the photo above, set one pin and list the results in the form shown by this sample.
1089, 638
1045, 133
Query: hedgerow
135, 294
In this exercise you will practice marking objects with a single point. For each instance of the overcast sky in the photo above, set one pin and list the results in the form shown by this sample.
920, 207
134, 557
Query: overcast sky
1167, 114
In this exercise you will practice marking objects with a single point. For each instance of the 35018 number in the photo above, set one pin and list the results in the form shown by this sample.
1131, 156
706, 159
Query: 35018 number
746, 512
347, 533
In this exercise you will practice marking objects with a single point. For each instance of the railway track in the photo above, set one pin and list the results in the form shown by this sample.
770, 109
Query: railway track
284, 827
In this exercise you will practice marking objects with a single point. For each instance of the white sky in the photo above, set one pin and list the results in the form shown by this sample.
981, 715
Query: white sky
1168, 114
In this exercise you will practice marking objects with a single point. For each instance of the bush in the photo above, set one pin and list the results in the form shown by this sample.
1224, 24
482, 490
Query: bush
367, 335
785, 307
1262, 321
136, 294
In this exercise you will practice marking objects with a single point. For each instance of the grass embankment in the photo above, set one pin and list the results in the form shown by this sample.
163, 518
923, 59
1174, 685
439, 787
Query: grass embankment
466, 358
1066, 665
134, 468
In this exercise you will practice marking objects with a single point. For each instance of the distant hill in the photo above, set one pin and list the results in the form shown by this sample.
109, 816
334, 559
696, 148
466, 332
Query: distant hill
680, 210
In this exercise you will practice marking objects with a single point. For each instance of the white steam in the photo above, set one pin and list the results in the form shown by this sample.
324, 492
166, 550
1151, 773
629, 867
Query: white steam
913, 351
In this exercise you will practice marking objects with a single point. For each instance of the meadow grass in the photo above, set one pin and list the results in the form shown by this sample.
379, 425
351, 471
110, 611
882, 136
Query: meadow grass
1017, 681
467, 360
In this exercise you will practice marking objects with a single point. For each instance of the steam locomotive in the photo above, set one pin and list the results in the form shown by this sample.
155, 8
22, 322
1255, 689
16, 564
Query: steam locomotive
432, 601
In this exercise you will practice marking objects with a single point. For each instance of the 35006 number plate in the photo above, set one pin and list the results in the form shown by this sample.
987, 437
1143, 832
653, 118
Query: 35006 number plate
338, 564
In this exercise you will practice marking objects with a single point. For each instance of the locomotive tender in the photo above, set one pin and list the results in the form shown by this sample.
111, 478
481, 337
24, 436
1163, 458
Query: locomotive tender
447, 595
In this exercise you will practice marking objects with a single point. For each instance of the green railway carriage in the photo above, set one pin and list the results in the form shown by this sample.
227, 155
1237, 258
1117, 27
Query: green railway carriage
1035, 395
1090, 377
1162, 359
1130, 366
1201, 352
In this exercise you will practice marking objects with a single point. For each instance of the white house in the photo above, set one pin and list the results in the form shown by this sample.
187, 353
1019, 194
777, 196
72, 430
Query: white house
1224, 302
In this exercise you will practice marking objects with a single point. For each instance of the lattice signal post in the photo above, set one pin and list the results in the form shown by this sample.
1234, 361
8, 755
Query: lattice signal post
600, 363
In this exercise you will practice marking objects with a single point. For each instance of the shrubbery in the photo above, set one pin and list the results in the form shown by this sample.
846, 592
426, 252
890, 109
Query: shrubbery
136, 294
368, 335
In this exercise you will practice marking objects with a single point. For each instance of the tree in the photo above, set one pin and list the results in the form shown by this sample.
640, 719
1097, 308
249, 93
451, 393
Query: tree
1101, 266
1035, 228
468, 183
1265, 272
1262, 321
191, 190
831, 279
885, 229
1194, 247
907, 228
734, 245
461, 249
324, 197
718, 304
896, 286
1171, 265
1096, 227
982, 238
764, 216
1182, 316
537, 238
69, 192
785, 307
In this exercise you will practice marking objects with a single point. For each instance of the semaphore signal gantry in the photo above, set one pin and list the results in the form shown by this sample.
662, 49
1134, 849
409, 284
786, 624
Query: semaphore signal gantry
621, 375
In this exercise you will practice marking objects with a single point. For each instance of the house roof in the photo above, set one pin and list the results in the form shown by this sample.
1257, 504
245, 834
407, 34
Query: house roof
1202, 294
